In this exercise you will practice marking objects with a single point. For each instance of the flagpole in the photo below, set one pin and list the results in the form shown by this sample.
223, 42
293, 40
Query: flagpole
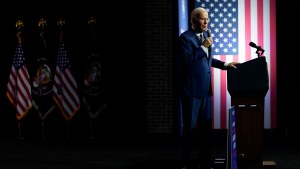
19, 131
91, 130
67, 130
42, 24
92, 23
19, 25
43, 130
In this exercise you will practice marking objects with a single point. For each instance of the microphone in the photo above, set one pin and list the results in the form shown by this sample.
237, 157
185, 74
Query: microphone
252, 44
258, 48
209, 35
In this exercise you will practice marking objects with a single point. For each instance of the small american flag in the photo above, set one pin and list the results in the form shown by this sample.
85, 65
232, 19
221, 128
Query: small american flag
18, 86
233, 24
65, 86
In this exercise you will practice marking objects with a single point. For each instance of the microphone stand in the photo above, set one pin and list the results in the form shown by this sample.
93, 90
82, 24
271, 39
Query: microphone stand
257, 52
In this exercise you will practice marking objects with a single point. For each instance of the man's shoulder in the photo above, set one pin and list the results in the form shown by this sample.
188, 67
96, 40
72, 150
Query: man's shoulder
187, 33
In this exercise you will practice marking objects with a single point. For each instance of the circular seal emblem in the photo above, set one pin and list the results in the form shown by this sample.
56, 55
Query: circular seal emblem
93, 81
42, 81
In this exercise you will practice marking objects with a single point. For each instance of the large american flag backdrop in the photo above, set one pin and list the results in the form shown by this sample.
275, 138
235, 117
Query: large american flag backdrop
233, 24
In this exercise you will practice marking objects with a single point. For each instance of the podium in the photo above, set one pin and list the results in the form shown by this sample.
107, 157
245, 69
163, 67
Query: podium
248, 85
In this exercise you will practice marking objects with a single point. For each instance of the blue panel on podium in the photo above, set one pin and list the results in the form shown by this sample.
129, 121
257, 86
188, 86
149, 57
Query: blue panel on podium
231, 146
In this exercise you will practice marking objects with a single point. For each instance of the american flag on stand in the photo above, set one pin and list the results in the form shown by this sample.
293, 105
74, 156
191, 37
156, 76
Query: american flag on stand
18, 86
65, 86
233, 24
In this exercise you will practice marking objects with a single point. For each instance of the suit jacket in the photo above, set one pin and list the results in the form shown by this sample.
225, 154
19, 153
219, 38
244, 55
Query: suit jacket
193, 67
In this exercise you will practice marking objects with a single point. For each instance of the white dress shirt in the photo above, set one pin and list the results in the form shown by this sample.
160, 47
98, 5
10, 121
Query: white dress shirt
201, 38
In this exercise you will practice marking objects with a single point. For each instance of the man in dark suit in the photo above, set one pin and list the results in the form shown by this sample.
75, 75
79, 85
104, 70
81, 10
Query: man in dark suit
193, 86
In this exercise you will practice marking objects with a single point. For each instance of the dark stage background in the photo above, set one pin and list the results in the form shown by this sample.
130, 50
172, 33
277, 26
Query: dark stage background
287, 68
122, 67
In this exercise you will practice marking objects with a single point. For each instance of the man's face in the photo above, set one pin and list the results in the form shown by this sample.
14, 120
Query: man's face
200, 21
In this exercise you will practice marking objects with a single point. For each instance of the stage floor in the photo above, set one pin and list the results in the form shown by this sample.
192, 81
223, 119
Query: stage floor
144, 152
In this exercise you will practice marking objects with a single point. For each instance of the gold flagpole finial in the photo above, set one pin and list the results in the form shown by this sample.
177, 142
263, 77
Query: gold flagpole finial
60, 22
19, 25
92, 20
42, 23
